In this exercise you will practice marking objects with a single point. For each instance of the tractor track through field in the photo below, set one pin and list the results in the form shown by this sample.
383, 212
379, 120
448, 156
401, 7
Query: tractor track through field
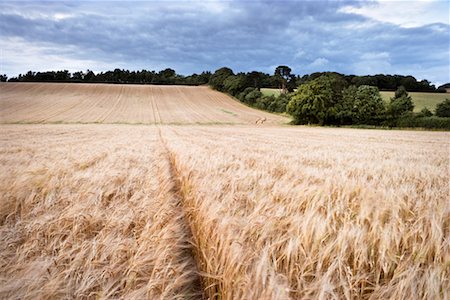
176, 190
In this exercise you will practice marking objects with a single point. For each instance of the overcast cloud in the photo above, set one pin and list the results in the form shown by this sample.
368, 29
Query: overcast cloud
364, 37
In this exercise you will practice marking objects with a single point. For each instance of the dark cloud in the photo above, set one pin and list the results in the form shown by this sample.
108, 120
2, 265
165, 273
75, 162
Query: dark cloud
205, 35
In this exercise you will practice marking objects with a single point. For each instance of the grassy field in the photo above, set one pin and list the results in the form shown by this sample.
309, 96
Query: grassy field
249, 211
270, 92
420, 100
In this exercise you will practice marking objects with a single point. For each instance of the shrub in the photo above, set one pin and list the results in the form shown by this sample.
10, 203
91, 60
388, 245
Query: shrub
425, 112
433, 122
252, 97
443, 109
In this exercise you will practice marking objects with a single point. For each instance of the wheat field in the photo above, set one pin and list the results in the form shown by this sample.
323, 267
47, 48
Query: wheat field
135, 104
122, 211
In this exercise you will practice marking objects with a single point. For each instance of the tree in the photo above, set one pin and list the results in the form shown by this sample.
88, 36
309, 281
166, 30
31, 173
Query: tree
278, 104
252, 97
258, 79
400, 104
3, 78
283, 74
425, 112
90, 76
361, 105
235, 84
313, 102
217, 79
443, 109
78, 76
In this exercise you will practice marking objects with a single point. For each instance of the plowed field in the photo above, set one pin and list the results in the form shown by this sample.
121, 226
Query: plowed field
106, 103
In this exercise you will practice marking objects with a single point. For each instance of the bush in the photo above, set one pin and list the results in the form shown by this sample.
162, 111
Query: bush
425, 112
443, 109
252, 97
433, 122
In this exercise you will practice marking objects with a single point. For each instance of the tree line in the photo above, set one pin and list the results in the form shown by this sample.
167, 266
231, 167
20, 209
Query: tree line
330, 98
167, 76
323, 98
254, 79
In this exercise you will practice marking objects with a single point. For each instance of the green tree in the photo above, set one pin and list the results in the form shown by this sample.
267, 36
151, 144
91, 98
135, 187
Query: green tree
235, 84
217, 79
283, 75
252, 97
443, 109
313, 102
3, 78
400, 104
361, 105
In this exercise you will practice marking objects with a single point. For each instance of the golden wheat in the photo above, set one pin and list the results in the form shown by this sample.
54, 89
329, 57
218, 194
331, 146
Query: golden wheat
317, 213
225, 212
88, 212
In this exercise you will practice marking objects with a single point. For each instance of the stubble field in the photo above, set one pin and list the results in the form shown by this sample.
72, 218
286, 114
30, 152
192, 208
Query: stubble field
223, 212
123, 104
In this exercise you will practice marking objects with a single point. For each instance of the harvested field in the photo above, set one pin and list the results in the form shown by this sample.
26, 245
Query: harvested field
135, 104
229, 212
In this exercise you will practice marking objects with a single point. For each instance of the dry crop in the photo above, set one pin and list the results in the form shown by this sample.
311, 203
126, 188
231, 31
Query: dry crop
317, 213
90, 212
221, 212
106, 103
229, 212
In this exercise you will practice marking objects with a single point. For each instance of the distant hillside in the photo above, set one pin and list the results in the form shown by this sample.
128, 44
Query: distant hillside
135, 104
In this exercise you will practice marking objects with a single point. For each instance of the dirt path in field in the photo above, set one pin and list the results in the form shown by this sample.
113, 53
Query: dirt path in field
176, 189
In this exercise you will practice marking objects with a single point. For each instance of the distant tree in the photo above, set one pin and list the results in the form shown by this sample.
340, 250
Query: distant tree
167, 73
443, 109
217, 79
258, 79
252, 97
3, 78
400, 104
30, 76
443, 88
90, 76
235, 84
278, 104
62, 75
361, 105
283, 75
409, 83
78, 76
364, 80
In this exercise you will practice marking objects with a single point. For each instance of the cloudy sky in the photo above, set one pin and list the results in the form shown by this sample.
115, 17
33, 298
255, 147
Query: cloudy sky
363, 37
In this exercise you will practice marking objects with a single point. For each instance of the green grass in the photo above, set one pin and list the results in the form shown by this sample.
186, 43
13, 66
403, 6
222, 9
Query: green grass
421, 100
228, 112
270, 92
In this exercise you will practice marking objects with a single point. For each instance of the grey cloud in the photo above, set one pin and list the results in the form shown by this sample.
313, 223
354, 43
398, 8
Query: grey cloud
251, 35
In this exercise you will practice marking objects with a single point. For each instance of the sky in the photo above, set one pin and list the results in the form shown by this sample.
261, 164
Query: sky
350, 37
